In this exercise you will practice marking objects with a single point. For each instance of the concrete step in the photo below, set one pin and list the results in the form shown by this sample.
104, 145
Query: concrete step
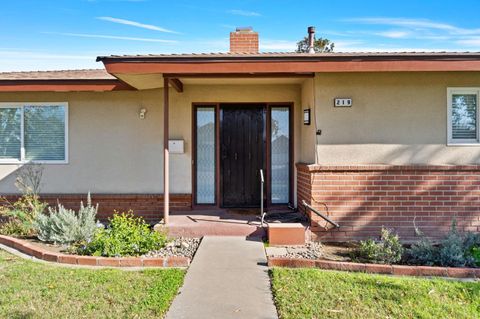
212, 223
211, 229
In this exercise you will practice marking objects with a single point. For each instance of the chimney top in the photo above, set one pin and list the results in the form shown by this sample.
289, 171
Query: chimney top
244, 40
244, 29
311, 39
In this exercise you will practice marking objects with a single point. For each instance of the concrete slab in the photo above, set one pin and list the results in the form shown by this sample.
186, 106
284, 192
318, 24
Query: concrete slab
276, 251
213, 223
227, 279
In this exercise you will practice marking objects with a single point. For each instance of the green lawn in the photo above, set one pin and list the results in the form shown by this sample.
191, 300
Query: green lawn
34, 290
313, 293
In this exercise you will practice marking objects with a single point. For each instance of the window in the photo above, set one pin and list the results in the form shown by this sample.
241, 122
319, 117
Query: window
205, 155
280, 154
463, 116
33, 132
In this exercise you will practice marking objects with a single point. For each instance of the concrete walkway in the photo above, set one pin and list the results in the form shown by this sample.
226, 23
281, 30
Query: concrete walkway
227, 279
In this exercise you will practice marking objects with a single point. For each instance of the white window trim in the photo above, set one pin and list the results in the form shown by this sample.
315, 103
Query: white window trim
462, 142
21, 105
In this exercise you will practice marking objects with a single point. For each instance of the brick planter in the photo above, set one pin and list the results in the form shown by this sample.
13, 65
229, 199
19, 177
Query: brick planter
45, 255
363, 198
397, 270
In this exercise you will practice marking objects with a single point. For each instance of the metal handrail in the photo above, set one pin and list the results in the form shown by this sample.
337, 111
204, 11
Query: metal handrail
262, 182
320, 214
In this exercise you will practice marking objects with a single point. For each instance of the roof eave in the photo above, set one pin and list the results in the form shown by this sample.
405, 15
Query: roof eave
63, 85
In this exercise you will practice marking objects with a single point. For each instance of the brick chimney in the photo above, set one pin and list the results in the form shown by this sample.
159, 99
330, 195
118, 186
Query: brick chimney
244, 40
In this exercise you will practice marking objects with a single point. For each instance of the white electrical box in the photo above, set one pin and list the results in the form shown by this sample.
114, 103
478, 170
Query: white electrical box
342, 102
176, 146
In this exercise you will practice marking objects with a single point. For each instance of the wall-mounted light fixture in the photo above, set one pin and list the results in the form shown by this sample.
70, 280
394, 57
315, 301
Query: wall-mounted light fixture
306, 117
142, 113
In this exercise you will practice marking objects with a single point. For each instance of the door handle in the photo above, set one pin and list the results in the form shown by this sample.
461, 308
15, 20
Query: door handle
236, 156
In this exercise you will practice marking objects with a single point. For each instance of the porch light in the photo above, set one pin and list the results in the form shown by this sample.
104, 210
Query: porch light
306, 117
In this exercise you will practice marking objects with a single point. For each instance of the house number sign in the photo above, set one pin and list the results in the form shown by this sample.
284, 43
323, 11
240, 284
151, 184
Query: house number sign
342, 102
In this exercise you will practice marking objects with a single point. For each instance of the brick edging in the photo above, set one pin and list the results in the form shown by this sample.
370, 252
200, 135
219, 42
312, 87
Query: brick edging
49, 256
398, 270
359, 168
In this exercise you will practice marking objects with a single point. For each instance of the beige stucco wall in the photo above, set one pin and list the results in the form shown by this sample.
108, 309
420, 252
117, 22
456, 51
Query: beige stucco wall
396, 118
112, 151
307, 132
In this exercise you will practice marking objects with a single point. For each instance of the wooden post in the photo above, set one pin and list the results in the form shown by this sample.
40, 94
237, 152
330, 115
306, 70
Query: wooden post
166, 177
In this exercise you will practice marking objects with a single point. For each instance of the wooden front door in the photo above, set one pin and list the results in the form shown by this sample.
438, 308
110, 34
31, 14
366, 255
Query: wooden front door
242, 148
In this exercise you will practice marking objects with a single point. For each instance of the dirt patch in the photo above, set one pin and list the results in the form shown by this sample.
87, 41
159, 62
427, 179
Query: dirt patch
45, 246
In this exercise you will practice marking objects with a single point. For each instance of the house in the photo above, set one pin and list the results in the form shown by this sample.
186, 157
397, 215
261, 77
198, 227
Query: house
369, 139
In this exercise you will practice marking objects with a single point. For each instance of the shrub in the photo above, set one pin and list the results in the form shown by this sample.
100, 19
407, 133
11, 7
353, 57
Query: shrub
455, 250
64, 226
22, 213
126, 235
475, 252
14, 227
452, 251
423, 252
387, 250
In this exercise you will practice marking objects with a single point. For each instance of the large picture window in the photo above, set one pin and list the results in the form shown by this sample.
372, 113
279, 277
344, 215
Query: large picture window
463, 116
33, 132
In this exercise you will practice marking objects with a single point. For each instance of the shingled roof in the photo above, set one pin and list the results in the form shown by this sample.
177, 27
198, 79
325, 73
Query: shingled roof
92, 74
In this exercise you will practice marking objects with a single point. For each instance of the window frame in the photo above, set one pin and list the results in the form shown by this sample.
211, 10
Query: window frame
22, 105
462, 142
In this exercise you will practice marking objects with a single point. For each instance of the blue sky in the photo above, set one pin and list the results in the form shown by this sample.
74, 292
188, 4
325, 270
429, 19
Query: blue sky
69, 34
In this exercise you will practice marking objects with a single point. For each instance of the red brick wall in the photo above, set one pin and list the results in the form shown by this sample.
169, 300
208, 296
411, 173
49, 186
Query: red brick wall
149, 206
362, 199
244, 42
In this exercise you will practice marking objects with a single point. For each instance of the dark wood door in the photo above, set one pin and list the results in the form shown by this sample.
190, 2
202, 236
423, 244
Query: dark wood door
242, 145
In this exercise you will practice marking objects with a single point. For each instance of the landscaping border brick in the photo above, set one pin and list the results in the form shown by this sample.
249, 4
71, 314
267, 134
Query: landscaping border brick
397, 270
39, 253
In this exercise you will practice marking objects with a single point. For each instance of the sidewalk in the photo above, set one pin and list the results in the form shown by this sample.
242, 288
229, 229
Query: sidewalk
227, 279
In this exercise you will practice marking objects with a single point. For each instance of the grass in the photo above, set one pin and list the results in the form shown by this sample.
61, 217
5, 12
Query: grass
313, 293
34, 290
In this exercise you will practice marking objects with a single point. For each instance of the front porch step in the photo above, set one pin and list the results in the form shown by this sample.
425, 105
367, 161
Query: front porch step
215, 223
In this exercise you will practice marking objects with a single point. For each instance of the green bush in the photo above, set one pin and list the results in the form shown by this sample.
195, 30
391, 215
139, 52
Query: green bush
126, 235
422, 252
14, 227
455, 250
64, 226
475, 252
387, 250
21, 215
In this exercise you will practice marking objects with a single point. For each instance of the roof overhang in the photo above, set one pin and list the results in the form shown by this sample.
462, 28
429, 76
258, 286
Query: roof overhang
290, 64
63, 85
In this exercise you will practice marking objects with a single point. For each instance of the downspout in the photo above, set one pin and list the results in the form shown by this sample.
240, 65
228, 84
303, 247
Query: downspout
166, 173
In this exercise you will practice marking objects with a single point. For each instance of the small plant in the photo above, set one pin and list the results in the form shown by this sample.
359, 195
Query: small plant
387, 250
29, 179
423, 252
22, 214
14, 227
475, 253
455, 250
65, 227
126, 235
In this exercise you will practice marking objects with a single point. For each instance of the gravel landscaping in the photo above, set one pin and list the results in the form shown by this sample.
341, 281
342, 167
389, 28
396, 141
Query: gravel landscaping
312, 250
183, 246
